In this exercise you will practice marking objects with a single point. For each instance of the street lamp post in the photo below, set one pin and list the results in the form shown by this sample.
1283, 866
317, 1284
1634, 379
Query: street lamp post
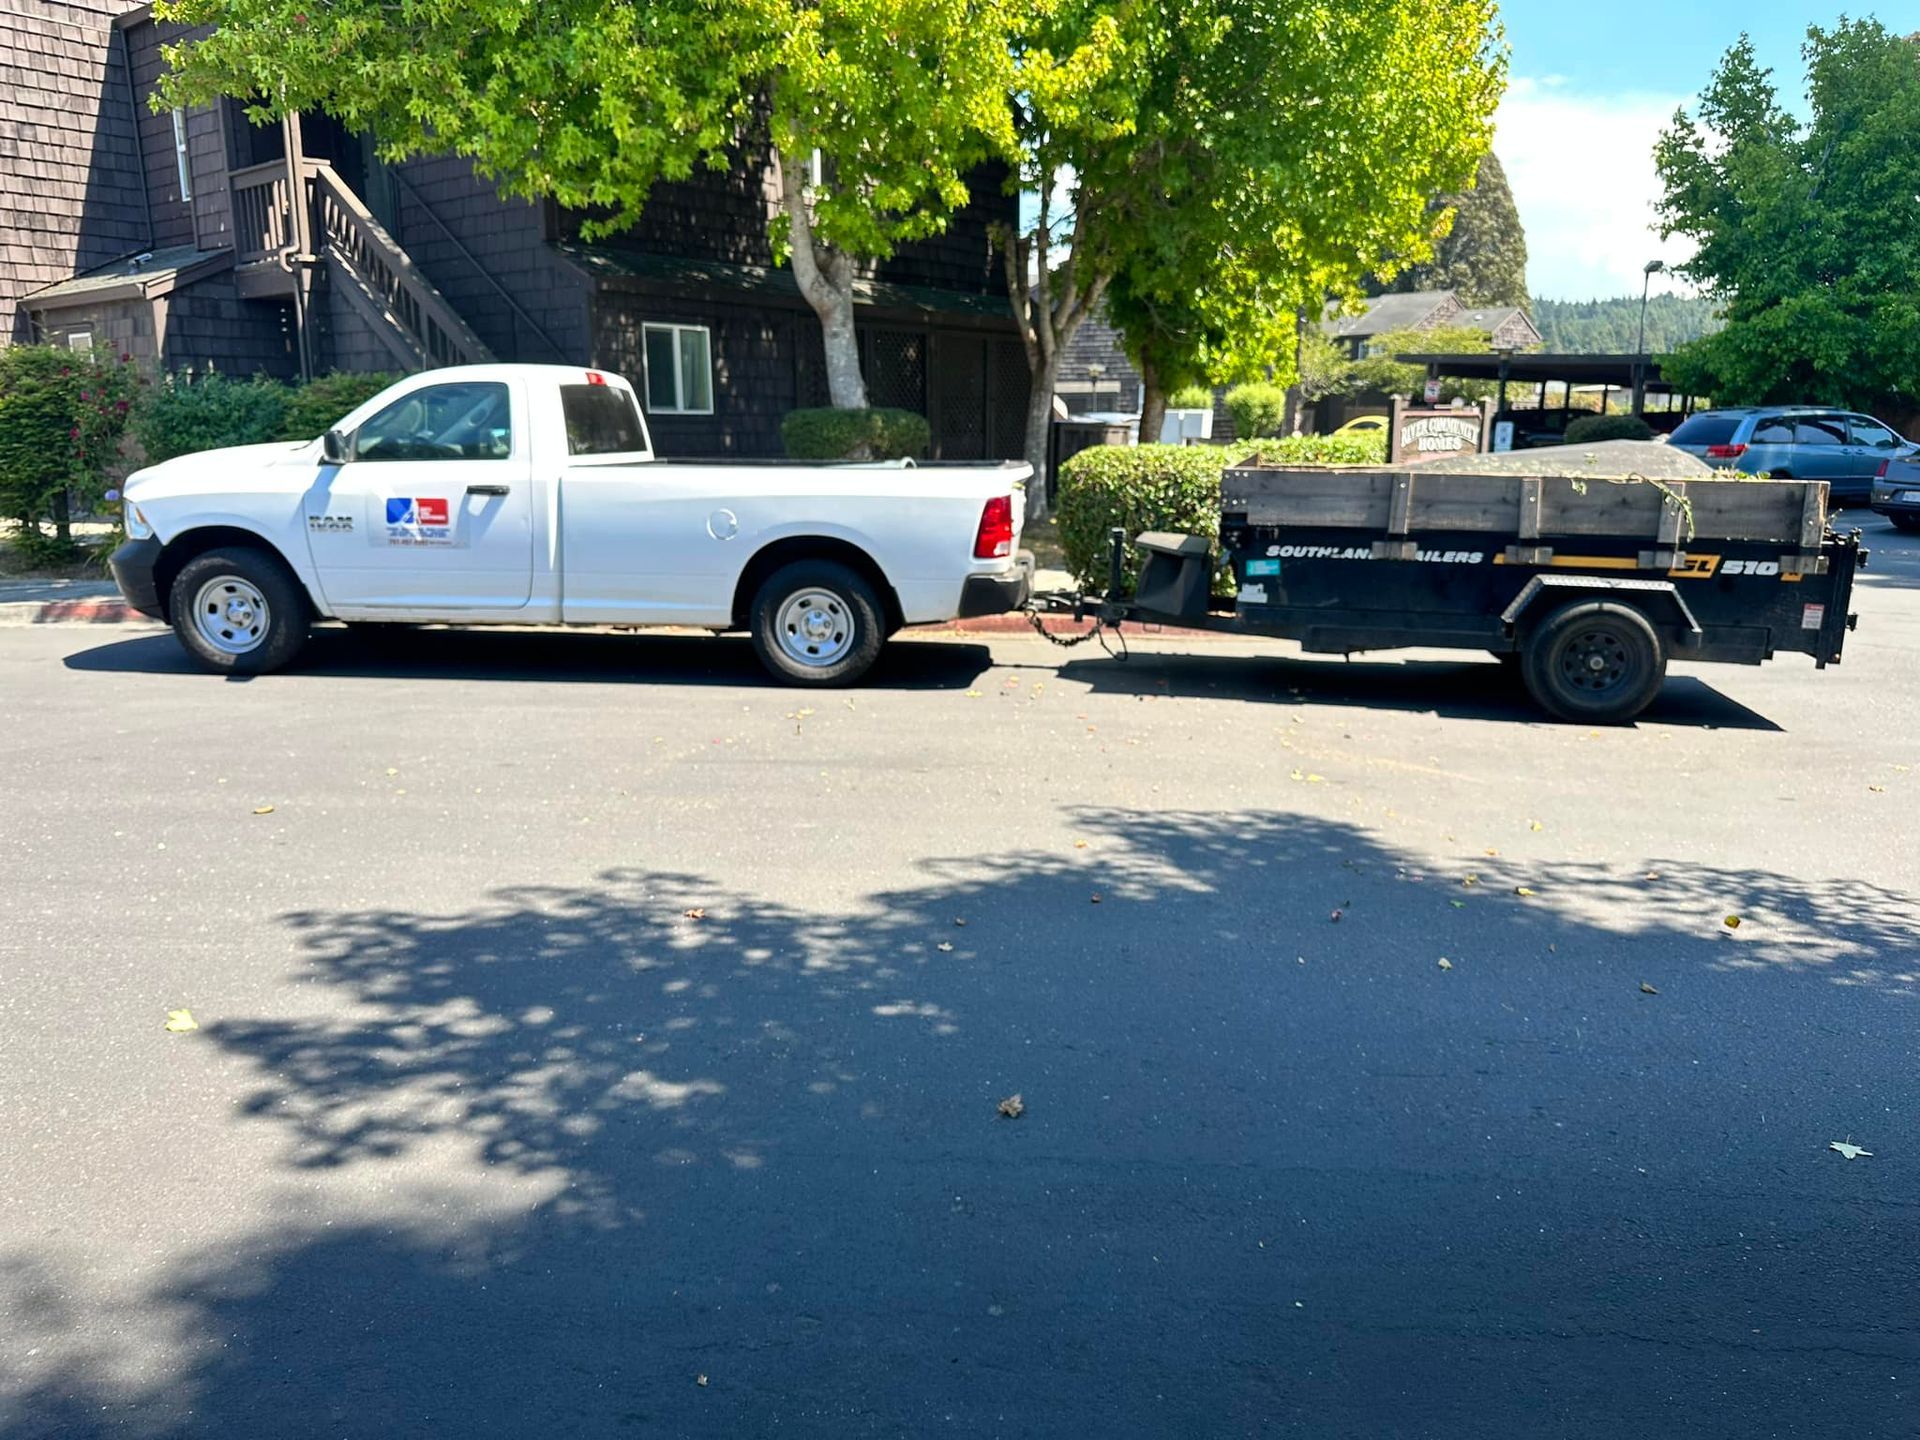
1640, 357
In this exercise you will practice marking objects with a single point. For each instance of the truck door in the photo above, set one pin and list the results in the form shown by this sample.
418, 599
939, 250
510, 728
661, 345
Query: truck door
432, 509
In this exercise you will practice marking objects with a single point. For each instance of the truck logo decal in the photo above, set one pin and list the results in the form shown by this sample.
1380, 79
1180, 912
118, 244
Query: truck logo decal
418, 520
1365, 552
330, 522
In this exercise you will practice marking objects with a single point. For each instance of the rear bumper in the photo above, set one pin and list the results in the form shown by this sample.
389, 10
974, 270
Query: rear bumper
132, 567
997, 594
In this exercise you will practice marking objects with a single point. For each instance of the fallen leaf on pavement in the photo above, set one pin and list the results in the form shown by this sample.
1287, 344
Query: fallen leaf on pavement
944, 945
1732, 922
1079, 844
958, 921
1335, 917
973, 694
1458, 904
1470, 881
699, 1379
1093, 899
1646, 989
1445, 964
181, 1021
1494, 853
1535, 825
1298, 775
263, 809
1878, 789
698, 912
1651, 875
1849, 1149
392, 771
1522, 890
1316, 779
1012, 1108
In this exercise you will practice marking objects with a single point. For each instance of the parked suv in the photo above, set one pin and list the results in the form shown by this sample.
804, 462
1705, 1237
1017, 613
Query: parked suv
1896, 493
1796, 442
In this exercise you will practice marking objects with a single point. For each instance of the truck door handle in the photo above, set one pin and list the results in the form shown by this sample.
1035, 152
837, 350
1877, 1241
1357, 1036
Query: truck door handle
487, 489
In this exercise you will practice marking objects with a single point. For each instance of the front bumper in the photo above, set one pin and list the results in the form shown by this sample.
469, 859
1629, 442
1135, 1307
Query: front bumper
997, 594
132, 567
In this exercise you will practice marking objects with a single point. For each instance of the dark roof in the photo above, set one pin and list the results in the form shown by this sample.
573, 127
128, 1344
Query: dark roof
136, 277
1531, 369
681, 274
1388, 312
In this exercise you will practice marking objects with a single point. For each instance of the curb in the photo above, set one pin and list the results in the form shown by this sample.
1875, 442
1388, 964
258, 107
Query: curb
72, 612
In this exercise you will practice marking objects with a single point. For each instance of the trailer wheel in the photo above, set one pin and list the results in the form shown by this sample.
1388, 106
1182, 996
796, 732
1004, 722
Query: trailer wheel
239, 611
816, 622
1595, 661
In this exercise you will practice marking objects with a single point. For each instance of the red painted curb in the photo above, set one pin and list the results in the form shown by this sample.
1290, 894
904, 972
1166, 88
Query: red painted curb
82, 612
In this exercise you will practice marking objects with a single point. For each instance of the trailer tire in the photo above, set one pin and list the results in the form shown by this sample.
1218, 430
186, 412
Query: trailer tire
239, 610
817, 622
1597, 662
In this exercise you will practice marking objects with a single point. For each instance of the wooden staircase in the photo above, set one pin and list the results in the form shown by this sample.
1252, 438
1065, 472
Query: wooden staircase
289, 235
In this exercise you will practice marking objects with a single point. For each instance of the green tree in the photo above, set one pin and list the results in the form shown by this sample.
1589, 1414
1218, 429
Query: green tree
1612, 326
592, 102
1479, 248
1806, 234
1383, 374
1234, 160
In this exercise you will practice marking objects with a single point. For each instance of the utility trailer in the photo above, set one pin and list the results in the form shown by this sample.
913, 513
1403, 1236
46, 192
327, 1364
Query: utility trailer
1586, 583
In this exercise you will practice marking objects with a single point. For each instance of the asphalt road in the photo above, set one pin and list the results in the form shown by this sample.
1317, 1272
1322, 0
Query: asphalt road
590, 1044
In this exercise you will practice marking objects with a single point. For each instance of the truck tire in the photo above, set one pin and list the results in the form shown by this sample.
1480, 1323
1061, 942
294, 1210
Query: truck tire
239, 611
1594, 661
816, 622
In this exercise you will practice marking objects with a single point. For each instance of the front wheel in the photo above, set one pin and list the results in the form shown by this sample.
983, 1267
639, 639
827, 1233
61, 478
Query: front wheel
239, 611
816, 622
1598, 662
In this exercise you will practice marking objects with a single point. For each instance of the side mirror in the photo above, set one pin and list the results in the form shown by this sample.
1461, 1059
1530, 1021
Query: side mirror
333, 448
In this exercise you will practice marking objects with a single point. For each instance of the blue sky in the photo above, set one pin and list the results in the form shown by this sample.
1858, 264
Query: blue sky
1591, 88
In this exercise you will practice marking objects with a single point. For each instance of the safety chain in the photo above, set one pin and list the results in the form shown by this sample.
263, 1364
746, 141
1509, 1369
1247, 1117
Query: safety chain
1034, 619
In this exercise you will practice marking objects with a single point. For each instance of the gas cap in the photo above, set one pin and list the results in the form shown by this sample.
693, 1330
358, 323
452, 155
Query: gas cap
723, 525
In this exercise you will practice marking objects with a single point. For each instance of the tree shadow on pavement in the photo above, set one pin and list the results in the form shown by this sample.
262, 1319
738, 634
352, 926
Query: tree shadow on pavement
665, 1158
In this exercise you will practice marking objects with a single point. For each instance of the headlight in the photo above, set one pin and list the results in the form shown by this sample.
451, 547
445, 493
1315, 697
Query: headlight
136, 523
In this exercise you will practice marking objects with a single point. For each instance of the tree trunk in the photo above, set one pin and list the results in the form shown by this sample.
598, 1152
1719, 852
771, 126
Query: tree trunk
1153, 404
825, 277
1039, 440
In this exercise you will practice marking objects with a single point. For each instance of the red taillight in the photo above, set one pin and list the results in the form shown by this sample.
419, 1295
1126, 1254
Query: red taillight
1881, 473
1725, 452
994, 539
594, 377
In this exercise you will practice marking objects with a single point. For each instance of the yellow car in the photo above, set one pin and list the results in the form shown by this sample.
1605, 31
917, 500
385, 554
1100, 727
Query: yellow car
1364, 425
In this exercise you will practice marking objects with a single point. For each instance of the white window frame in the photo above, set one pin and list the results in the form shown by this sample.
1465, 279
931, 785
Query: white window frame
180, 154
680, 406
80, 339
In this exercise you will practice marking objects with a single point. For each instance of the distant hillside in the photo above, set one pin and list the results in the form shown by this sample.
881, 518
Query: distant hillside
1611, 327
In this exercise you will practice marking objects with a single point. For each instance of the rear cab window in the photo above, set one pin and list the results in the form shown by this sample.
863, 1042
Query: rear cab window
602, 420
1706, 430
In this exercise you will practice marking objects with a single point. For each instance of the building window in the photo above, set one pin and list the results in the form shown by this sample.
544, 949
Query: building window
80, 340
679, 360
180, 154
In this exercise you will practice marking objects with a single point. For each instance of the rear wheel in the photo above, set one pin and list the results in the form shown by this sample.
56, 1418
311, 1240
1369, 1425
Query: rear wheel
1596, 661
817, 622
239, 611
1909, 523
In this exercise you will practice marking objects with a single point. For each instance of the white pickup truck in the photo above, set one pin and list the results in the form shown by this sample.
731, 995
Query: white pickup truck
530, 495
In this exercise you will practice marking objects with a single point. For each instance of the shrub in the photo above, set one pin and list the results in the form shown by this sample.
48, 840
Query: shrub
1191, 397
1137, 487
1589, 429
315, 407
1258, 409
1324, 449
178, 417
62, 415
876, 434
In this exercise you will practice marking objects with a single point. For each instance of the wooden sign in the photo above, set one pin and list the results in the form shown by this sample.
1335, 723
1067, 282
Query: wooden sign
1427, 432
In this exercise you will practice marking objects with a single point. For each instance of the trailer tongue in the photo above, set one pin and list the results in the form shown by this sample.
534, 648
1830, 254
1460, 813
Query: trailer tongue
1589, 582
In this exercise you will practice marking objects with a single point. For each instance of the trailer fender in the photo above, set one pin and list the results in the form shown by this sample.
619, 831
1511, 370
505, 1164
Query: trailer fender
1658, 600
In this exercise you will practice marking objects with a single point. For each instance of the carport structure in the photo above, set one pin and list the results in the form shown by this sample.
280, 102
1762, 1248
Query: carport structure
1637, 376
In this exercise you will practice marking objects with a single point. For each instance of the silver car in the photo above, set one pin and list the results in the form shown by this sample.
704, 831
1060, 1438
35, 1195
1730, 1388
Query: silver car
1797, 442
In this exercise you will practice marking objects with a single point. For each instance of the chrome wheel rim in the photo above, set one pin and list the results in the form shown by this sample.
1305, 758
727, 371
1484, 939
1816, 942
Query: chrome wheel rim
815, 627
231, 615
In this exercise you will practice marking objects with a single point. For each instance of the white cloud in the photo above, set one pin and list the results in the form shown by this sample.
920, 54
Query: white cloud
1581, 168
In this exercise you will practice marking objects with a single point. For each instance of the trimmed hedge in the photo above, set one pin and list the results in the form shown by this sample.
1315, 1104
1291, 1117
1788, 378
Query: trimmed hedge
1258, 409
179, 417
1170, 487
1137, 487
1591, 429
875, 434
314, 408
